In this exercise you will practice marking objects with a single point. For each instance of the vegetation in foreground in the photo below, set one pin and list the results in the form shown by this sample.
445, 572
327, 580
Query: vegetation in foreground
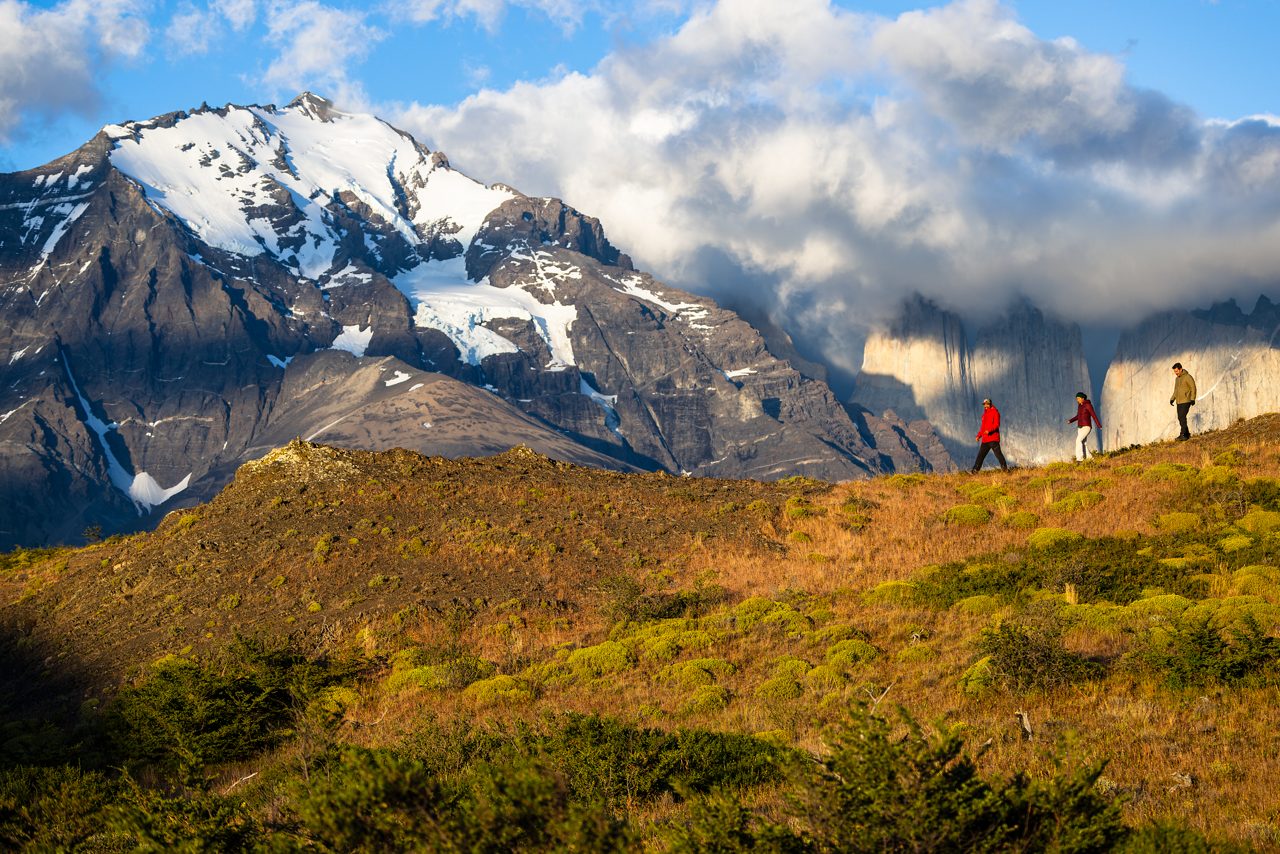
379, 652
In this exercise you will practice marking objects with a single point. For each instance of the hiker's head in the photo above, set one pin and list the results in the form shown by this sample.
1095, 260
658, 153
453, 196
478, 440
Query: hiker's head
1177, 368
986, 403
1081, 396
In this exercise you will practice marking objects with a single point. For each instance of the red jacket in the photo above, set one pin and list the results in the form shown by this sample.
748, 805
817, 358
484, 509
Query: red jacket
1085, 416
990, 429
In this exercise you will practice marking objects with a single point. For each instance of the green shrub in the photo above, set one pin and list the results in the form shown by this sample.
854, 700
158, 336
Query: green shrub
979, 678
824, 677
188, 821
449, 675
600, 660
1170, 471
904, 481
1230, 457
500, 690
187, 715
1048, 538
891, 593
1258, 521
698, 671
52, 809
967, 514
1234, 543
782, 687
1178, 523
1195, 652
850, 653
981, 604
1217, 475
1079, 500
791, 667
875, 791
706, 699
1022, 519
799, 537
1026, 657
1129, 470
916, 652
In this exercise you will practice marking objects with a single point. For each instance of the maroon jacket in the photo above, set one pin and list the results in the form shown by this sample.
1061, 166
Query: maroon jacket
1085, 416
990, 429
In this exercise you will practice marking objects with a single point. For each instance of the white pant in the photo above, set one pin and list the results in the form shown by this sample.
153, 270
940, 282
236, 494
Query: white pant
1082, 442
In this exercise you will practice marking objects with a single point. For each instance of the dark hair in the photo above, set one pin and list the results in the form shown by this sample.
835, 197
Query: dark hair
1082, 394
1177, 366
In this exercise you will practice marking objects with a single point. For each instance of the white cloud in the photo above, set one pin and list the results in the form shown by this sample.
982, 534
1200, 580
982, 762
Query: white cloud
51, 58
489, 13
193, 30
317, 45
820, 164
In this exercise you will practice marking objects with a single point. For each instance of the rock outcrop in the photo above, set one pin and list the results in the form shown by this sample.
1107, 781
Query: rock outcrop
925, 366
1234, 357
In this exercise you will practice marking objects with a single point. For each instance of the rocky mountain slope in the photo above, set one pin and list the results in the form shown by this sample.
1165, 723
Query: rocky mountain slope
927, 366
1235, 358
168, 288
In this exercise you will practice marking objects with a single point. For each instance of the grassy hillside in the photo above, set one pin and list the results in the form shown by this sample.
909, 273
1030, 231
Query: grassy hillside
460, 651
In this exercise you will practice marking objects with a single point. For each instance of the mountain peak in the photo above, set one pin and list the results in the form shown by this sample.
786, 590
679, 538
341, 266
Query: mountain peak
314, 105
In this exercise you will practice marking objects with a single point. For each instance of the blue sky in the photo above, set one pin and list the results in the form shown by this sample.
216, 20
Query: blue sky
811, 159
1217, 57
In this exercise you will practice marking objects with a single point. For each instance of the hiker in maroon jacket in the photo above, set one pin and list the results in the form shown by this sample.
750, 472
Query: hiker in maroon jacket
989, 436
1086, 419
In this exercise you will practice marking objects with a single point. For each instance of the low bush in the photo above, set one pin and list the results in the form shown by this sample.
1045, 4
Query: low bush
967, 514
875, 791
1195, 652
186, 715
1026, 657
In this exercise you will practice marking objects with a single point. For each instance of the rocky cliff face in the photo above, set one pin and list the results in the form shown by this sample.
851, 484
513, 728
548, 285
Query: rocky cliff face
1234, 357
183, 293
925, 366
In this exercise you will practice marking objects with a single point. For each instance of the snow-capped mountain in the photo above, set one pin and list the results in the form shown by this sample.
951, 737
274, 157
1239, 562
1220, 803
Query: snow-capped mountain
181, 294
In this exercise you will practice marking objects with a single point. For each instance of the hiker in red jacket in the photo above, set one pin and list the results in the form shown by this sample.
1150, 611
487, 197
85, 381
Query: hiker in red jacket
1086, 419
989, 436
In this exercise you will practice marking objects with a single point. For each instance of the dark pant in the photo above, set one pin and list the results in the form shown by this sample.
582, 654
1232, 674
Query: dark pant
1183, 409
993, 447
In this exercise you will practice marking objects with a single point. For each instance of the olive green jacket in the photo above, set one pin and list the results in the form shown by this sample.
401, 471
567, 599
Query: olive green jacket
1184, 389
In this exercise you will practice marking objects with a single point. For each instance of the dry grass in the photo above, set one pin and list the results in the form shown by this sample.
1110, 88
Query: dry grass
515, 560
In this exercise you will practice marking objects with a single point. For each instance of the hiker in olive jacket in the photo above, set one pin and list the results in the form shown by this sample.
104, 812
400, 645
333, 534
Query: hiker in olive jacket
1184, 397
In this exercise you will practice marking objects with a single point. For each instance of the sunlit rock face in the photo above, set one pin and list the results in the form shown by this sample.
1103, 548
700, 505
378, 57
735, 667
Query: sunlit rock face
925, 365
1234, 357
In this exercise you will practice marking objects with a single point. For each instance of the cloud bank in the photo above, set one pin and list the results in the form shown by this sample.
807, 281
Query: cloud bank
820, 164
50, 58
